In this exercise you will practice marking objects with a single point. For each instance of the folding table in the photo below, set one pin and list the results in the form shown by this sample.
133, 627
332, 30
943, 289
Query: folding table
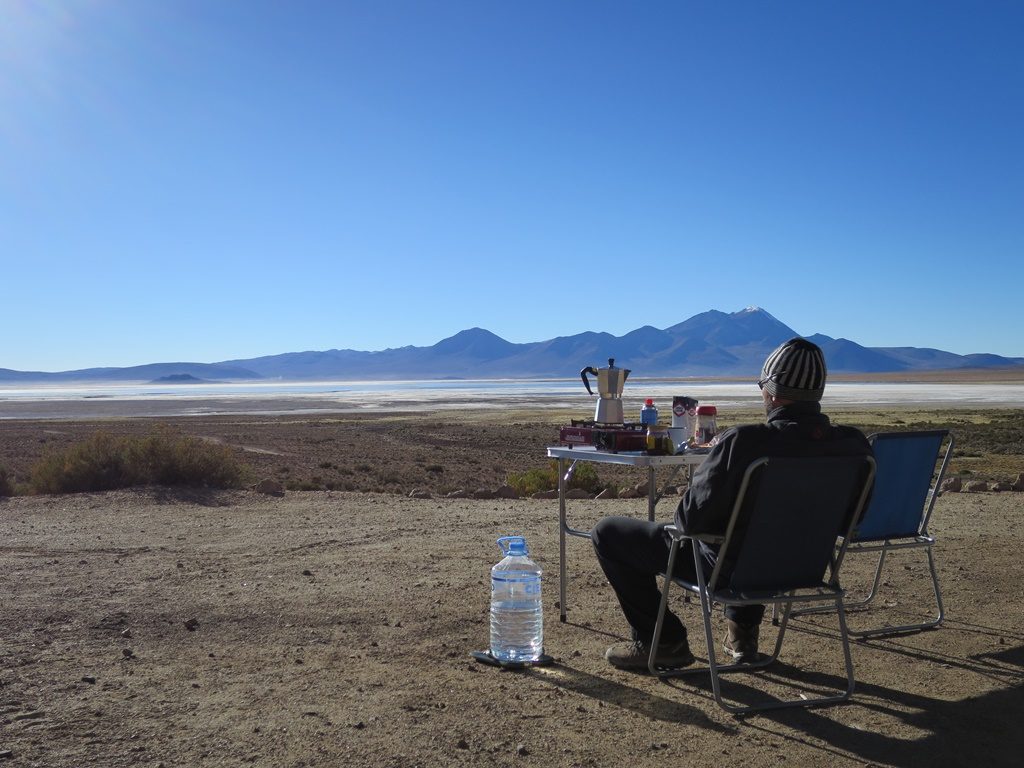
567, 458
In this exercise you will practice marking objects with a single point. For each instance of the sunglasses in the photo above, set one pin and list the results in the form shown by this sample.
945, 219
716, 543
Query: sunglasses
770, 377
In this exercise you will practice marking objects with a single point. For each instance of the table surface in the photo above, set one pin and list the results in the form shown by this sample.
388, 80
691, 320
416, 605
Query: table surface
630, 458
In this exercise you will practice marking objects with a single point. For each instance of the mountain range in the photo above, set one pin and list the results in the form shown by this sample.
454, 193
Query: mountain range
712, 343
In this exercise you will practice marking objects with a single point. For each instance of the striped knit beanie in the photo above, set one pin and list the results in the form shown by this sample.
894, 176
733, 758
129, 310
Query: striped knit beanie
795, 371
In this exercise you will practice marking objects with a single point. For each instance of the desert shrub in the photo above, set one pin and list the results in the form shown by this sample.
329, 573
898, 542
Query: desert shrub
535, 480
98, 464
165, 457
6, 484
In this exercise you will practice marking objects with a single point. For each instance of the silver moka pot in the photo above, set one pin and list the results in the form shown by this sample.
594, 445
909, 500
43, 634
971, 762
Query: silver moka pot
610, 382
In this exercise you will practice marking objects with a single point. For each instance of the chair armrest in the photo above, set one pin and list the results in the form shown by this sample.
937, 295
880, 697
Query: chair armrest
677, 532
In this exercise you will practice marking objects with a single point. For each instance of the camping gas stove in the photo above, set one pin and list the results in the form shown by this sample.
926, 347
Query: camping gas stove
630, 436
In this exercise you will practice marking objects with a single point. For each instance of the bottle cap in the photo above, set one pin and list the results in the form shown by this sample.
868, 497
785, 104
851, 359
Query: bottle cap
649, 401
706, 410
513, 545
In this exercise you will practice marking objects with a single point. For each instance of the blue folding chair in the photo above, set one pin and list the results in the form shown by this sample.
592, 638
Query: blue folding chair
793, 511
911, 466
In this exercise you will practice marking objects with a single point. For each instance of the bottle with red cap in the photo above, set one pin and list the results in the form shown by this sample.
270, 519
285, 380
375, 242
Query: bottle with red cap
649, 413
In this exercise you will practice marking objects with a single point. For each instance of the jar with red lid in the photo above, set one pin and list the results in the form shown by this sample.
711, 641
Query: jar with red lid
707, 424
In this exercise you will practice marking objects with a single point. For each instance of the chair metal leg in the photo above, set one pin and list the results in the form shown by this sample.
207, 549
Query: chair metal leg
716, 670
898, 629
802, 702
874, 584
662, 607
861, 603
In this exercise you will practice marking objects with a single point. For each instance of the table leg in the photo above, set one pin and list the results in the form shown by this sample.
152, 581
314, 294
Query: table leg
562, 481
652, 494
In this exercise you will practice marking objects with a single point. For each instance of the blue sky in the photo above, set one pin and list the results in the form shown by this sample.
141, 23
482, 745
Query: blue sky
206, 180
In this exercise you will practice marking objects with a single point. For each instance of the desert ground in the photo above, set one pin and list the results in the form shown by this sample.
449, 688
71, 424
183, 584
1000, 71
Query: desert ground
333, 627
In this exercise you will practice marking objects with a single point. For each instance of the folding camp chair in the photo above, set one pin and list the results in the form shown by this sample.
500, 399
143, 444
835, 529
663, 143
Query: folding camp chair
906, 486
794, 510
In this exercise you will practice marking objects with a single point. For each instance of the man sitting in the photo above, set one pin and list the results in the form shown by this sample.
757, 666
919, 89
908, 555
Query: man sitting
633, 552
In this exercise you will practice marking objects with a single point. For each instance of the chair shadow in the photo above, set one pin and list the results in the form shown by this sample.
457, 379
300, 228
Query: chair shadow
1003, 667
957, 732
602, 689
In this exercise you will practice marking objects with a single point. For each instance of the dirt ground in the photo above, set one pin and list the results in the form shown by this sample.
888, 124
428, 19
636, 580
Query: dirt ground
160, 627
169, 628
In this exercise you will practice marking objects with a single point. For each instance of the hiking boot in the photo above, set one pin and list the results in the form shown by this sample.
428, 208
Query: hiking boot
741, 642
634, 655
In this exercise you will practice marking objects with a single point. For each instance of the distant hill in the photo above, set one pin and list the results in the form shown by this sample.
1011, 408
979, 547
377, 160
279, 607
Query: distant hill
182, 378
145, 373
712, 343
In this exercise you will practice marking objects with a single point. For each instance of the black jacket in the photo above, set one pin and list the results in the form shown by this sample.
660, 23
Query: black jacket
798, 429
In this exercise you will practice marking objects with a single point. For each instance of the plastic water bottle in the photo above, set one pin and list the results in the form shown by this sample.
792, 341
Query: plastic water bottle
649, 413
517, 614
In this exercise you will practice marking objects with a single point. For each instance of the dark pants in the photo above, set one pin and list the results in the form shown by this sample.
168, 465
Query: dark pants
632, 553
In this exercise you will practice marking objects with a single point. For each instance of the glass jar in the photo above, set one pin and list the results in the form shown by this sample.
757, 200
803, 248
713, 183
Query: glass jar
707, 424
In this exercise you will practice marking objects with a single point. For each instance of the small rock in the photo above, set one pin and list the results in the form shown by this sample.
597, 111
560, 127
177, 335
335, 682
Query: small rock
192, 624
462, 744
126, 633
952, 485
607, 493
307, 572
6, 754
459, 494
522, 751
976, 486
507, 492
483, 493
1000, 486
127, 653
630, 493
417, 493
270, 487
89, 679
1018, 484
